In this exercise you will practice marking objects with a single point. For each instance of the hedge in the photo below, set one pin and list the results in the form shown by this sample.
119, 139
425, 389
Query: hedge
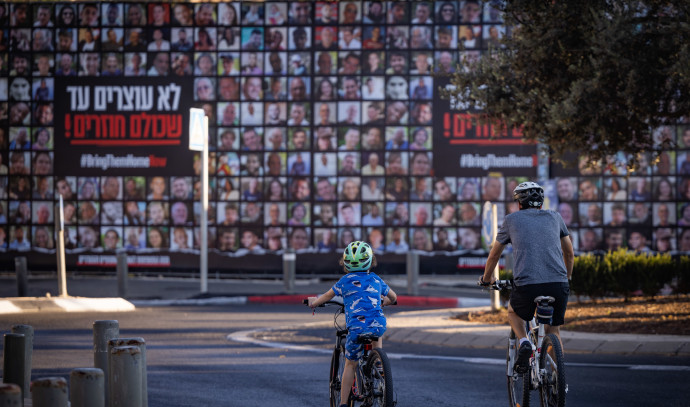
623, 273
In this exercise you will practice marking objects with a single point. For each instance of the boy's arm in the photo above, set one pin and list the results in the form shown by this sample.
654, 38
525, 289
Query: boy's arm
323, 298
390, 298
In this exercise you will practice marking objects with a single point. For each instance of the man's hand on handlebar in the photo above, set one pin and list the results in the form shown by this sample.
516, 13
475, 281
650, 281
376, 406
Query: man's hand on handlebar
483, 283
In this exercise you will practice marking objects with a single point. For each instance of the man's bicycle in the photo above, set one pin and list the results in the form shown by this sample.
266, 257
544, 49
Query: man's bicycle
373, 384
546, 365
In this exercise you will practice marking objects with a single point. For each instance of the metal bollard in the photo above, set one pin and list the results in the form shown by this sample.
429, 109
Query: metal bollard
141, 344
22, 276
103, 331
28, 332
13, 357
86, 387
122, 271
412, 273
10, 395
289, 265
49, 392
125, 377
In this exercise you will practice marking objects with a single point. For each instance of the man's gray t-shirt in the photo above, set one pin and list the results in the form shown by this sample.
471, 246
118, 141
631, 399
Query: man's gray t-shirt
536, 238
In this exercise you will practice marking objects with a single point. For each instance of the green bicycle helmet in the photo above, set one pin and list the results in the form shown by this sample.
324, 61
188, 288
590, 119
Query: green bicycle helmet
358, 256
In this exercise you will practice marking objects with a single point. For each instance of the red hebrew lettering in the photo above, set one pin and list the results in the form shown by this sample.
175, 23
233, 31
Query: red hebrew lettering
158, 123
175, 126
482, 131
134, 127
79, 126
462, 123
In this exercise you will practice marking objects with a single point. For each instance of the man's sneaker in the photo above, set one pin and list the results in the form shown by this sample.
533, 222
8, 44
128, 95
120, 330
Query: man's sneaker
522, 362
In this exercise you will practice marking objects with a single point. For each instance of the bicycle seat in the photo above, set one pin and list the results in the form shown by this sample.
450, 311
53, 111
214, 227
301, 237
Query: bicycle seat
541, 298
365, 339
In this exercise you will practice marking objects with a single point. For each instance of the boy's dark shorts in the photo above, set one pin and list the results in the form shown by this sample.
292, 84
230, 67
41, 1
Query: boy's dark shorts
522, 300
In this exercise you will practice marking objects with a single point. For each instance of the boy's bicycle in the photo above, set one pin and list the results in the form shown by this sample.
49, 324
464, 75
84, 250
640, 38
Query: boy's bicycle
373, 385
546, 365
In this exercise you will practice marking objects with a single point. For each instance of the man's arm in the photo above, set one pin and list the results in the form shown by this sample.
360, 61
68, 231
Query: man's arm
568, 255
492, 261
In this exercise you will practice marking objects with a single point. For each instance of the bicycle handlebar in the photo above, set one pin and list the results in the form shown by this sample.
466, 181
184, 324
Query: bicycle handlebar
331, 302
498, 284
338, 303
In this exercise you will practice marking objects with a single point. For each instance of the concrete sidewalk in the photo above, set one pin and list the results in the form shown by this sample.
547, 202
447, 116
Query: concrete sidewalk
436, 327
445, 295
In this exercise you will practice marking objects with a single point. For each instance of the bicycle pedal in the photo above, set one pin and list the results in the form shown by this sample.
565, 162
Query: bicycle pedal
521, 369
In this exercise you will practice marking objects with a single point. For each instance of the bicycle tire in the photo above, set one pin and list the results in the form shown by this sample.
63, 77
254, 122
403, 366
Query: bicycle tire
552, 390
380, 379
334, 385
518, 384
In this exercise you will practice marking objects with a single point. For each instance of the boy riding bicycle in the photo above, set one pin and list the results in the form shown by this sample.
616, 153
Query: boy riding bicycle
543, 264
364, 293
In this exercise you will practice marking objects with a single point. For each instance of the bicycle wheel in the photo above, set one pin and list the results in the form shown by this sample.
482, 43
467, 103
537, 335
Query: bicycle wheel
380, 379
337, 366
518, 384
518, 390
553, 388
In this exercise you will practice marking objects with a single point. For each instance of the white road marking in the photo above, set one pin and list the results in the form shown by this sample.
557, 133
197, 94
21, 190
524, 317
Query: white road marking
246, 337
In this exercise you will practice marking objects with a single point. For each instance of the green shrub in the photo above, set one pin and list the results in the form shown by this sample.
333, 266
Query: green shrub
623, 270
588, 278
660, 270
682, 275
622, 273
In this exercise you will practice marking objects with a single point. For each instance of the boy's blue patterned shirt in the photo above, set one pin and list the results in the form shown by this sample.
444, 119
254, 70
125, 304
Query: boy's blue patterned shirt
361, 292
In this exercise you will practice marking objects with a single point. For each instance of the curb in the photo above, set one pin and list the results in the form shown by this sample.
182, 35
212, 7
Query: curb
19, 305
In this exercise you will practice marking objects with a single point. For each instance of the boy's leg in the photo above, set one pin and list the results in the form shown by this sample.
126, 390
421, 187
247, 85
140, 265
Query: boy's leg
347, 380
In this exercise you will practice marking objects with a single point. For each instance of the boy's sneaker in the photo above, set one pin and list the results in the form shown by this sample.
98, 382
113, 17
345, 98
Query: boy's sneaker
522, 362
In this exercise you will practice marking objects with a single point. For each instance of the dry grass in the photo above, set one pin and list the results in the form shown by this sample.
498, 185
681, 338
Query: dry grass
668, 315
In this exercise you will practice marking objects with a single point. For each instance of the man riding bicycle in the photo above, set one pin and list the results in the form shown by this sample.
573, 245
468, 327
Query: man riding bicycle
543, 263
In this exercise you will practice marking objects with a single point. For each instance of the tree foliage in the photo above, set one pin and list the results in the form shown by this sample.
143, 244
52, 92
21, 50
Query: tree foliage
594, 77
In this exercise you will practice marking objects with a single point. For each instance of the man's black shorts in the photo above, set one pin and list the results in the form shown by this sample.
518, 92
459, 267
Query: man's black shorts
522, 300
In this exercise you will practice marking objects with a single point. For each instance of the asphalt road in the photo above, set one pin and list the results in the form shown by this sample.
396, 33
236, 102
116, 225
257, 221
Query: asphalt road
192, 363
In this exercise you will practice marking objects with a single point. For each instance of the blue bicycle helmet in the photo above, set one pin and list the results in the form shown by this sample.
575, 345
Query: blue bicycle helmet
358, 256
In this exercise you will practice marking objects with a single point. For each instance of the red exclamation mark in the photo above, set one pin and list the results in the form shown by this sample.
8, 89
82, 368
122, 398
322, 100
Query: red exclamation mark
446, 125
68, 126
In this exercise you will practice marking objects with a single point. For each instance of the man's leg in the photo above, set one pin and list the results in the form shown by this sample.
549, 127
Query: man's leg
517, 324
524, 347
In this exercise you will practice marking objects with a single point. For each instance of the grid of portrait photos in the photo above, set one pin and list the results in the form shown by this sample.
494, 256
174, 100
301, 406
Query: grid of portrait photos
320, 131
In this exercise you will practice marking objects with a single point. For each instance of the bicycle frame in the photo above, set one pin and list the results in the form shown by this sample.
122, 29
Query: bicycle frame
371, 381
546, 366
533, 329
